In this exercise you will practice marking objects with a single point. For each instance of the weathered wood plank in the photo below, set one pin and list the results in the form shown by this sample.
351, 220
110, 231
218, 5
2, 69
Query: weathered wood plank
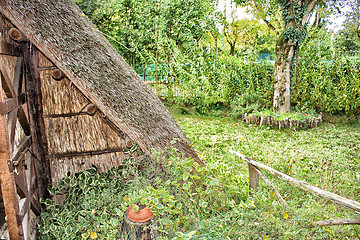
336, 222
32, 79
23, 121
8, 183
18, 76
348, 203
19, 150
11, 122
8, 105
253, 178
88, 153
6, 82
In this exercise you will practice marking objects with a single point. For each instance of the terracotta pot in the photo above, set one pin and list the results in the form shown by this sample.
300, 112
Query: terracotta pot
143, 215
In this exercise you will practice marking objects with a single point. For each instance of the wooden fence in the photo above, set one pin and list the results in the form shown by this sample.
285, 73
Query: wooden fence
255, 173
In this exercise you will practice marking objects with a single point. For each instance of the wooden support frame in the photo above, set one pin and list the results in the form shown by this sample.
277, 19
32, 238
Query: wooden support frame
18, 165
6, 178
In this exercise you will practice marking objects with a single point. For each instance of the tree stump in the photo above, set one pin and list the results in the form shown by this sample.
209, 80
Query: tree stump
136, 225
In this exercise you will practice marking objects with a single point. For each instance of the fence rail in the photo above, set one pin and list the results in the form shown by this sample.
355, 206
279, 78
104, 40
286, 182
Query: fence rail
255, 166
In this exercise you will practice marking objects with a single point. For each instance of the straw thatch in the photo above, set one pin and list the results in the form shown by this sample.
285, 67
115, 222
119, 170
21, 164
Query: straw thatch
94, 74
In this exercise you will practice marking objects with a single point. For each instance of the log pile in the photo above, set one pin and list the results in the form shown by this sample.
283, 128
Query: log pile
286, 123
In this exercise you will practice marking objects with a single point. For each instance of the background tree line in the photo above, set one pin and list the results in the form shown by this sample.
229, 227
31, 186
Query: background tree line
210, 60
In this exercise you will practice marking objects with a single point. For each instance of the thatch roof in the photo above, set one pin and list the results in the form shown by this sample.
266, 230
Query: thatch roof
60, 30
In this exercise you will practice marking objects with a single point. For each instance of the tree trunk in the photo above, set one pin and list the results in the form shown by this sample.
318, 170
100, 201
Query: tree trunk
232, 49
285, 53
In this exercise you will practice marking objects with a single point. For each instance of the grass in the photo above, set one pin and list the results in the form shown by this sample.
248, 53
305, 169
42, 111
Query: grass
327, 157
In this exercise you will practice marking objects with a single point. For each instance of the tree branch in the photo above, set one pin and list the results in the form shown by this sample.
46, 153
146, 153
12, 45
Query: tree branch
336, 222
310, 7
270, 26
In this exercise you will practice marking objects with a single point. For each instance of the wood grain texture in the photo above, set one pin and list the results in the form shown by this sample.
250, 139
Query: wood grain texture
67, 37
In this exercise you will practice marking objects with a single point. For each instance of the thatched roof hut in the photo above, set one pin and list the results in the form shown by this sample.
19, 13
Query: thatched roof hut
94, 74
68, 98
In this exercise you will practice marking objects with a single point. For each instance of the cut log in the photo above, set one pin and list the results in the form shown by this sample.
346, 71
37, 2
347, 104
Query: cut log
16, 35
348, 203
91, 109
57, 74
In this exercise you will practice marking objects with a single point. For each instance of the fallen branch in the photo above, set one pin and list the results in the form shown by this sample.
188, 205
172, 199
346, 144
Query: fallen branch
348, 203
336, 222
277, 194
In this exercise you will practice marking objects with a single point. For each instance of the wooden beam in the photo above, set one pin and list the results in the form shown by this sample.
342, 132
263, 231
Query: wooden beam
8, 105
18, 76
33, 91
6, 82
24, 190
7, 182
24, 121
336, 222
348, 203
19, 150
9, 49
11, 122
87, 153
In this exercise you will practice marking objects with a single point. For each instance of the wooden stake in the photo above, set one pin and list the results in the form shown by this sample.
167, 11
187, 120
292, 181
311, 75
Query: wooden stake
267, 182
253, 178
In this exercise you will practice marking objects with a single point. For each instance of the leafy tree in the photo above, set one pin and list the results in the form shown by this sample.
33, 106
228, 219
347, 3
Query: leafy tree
247, 35
291, 30
352, 22
347, 43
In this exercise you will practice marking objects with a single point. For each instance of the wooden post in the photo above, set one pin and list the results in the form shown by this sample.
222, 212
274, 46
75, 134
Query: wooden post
8, 183
253, 179
267, 182
34, 97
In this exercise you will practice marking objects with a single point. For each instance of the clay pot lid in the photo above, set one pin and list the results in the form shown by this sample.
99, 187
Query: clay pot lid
143, 215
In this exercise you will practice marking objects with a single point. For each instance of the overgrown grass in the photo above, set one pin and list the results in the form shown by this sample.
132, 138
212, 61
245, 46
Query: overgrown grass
327, 157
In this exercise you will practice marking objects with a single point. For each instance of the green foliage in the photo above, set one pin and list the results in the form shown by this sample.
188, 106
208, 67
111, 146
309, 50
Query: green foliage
91, 204
325, 84
246, 103
212, 201
347, 43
